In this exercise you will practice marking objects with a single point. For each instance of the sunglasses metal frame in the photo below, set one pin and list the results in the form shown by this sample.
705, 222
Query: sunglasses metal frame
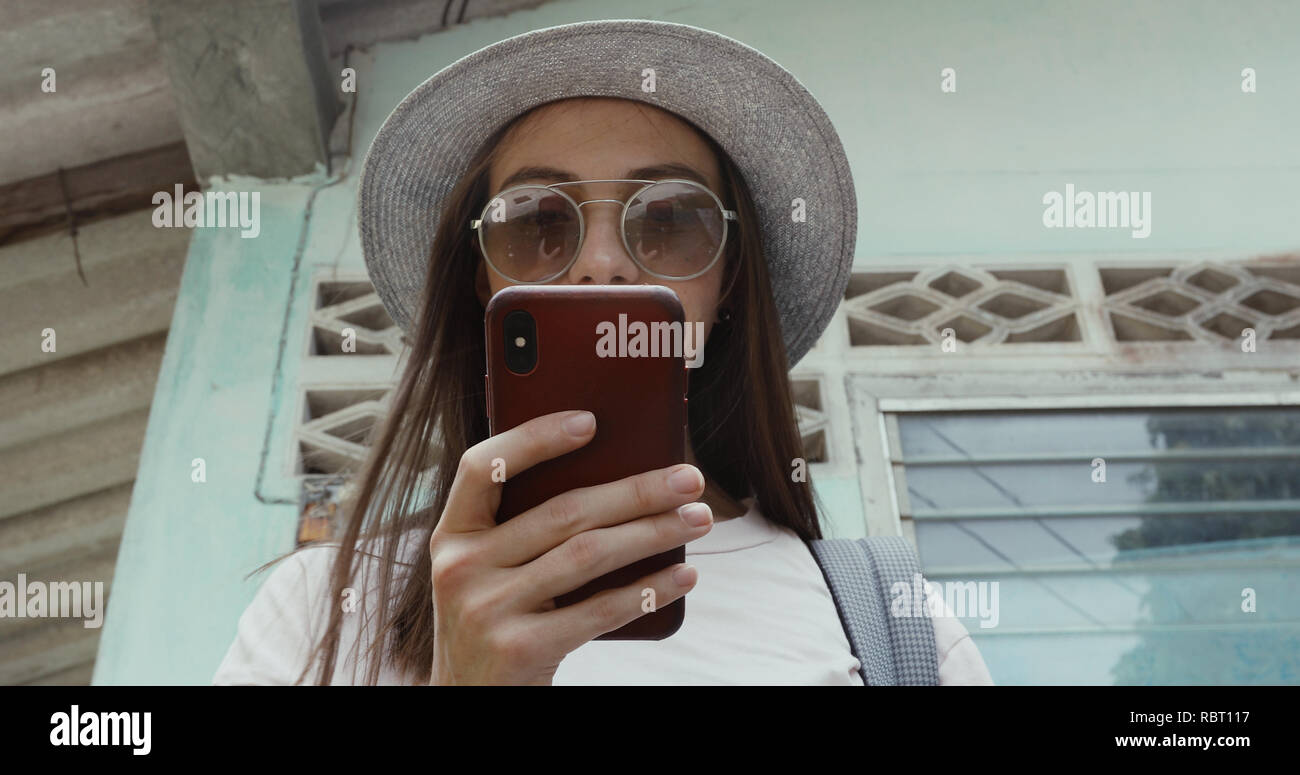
727, 215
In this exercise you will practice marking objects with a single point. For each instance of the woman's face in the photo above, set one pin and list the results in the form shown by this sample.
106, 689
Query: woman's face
602, 139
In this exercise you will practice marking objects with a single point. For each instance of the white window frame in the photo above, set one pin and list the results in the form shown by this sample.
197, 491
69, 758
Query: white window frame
878, 400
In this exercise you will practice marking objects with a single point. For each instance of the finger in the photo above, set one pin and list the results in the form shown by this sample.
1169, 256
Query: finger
593, 553
545, 526
476, 491
573, 625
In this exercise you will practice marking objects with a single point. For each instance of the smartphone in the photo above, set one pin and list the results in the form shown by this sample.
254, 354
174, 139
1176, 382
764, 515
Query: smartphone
554, 348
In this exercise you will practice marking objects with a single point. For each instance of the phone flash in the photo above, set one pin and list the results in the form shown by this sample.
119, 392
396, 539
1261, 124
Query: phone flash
520, 341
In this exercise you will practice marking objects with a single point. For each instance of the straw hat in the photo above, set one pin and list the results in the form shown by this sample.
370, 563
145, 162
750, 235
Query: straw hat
772, 127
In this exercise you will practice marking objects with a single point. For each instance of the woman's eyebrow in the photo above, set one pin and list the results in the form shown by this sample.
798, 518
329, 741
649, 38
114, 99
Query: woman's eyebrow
524, 174
667, 170
650, 172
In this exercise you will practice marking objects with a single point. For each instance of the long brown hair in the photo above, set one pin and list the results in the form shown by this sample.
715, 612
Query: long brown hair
742, 422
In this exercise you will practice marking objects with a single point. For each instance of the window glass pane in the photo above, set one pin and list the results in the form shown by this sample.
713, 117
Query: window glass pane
1097, 432
1129, 547
1071, 487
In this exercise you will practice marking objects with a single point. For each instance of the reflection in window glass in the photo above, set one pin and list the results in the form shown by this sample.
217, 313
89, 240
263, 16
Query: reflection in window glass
1128, 546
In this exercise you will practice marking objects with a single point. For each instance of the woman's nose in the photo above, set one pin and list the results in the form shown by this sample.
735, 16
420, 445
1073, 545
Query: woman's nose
602, 258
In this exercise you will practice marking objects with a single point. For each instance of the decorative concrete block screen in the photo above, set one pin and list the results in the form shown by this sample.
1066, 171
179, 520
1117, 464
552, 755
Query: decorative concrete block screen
1080, 314
335, 422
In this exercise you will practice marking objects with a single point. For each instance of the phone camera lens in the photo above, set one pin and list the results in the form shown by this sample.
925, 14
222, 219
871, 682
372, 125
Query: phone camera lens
520, 330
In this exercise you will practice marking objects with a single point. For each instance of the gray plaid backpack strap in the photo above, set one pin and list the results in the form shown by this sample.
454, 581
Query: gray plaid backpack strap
892, 650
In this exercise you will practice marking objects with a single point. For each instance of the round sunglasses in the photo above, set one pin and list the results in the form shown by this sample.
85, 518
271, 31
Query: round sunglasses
672, 229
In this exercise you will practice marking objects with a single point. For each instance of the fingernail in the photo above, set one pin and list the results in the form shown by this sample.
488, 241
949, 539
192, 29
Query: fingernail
580, 424
696, 514
685, 575
686, 479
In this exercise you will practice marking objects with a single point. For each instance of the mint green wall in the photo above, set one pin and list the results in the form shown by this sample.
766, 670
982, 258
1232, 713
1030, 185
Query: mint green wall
187, 545
1106, 95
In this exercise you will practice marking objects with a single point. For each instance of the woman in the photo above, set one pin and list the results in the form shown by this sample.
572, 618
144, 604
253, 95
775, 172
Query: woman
424, 586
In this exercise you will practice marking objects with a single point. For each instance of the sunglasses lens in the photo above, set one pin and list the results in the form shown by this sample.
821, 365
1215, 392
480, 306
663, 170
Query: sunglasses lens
530, 234
674, 229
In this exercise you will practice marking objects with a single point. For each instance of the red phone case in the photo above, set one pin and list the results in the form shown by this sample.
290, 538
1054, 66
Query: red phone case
639, 404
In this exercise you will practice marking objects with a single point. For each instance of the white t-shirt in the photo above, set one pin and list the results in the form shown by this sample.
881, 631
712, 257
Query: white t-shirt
760, 613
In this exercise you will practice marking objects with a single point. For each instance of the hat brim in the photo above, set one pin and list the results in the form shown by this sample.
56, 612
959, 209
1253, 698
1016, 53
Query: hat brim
775, 131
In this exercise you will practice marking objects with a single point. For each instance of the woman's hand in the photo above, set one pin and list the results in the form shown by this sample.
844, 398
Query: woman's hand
495, 620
